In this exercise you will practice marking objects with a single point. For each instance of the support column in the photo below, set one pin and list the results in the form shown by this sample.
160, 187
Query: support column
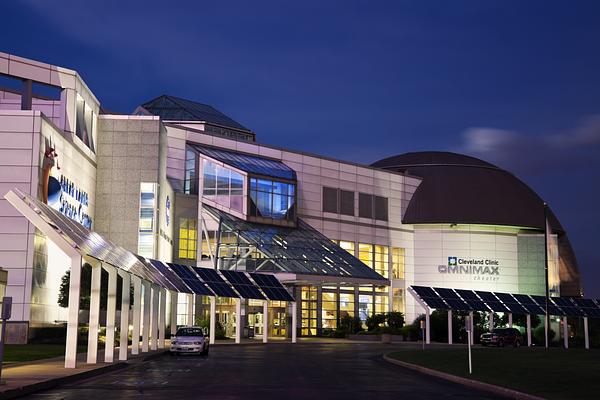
94, 323
471, 324
137, 314
73, 313
427, 325
565, 332
510, 321
124, 330
238, 320
26, 94
491, 321
146, 316
265, 321
528, 330
295, 321
174, 296
586, 333
213, 319
154, 317
162, 318
449, 326
190, 310
111, 310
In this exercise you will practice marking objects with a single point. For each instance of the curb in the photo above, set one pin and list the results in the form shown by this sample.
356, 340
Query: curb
487, 387
52, 383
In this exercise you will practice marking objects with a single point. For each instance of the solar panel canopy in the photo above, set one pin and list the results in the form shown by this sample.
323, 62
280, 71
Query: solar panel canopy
215, 282
272, 288
191, 279
242, 285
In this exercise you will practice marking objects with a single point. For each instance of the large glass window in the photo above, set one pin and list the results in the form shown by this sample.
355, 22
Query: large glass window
398, 300
365, 306
272, 199
365, 254
329, 310
397, 263
190, 184
309, 310
84, 123
223, 185
346, 304
146, 219
381, 260
348, 246
187, 238
381, 303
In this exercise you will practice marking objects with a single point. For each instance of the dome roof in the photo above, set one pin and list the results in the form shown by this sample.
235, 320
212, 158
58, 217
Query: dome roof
466, 190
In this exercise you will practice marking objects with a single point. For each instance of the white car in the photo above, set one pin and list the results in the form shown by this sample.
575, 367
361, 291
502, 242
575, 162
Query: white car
190, 339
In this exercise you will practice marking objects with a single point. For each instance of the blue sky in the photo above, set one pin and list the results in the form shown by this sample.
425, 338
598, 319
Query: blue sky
513, 82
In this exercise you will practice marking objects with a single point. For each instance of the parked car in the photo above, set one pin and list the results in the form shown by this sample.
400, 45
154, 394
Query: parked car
501, 337
190, 339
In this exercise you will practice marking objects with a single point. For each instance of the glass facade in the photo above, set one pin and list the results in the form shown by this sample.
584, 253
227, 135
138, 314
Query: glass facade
365, 306
272, 199
398, 299
397, 263
329, 313
188, 236
309, 310
190, 182
381, 260
146, 228
85, 123
346, 304
222, 185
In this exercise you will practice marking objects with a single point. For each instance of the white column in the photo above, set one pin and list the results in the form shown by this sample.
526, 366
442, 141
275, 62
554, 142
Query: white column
449, 326
213, 319
162, 318
73, 313
146, 316
471, 325
238, 320
294, 321
265, 321
190, 310
174, 296
124, 329
94, 324
137, 314
510, 322
154, 318
586, 333
111, 310
427, 325
528, 330
491, 321
565, 332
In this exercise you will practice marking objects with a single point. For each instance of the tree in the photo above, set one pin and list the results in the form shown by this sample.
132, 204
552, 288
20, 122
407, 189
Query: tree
375, 321
395, 321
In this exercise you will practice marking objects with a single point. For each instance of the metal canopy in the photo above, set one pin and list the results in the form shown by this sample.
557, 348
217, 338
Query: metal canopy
191, 279
271, 287
454, 299
242, 285
212, 278
302, 250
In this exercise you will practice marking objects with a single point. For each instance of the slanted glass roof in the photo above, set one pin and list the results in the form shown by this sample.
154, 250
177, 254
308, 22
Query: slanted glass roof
250, 163
302, 250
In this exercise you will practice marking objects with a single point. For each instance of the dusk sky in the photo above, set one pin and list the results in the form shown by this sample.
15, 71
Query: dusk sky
516, 83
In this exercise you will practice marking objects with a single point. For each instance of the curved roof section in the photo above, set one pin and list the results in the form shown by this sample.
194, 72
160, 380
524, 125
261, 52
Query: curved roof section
171, 108
466, 190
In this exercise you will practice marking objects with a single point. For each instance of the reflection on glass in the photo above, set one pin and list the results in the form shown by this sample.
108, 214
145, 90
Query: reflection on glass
272, 199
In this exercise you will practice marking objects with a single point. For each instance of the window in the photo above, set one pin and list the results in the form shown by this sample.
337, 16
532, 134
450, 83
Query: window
365, 254
346, 304
338, 201
346, 202
272, 199
187, 238
348, 246
329, 310
397, 263
146, 224
222, 185
365, 306
365, 205
84, 122
381, 260
381, 303
309, 310
190, 184
398, 300
374, 207
330, 200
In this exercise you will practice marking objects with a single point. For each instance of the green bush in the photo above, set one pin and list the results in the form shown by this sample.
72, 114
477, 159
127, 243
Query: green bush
410, 332
395, 322
375, 321
539, 335
205, 324
348, 325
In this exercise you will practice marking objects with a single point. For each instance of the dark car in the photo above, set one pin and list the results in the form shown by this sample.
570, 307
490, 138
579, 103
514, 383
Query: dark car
501, 337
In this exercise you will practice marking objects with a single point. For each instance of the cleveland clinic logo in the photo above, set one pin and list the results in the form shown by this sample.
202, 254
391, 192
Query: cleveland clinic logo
470, 266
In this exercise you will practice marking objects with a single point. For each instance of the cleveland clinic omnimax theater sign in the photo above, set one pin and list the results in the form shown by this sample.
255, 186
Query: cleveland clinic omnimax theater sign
479, 268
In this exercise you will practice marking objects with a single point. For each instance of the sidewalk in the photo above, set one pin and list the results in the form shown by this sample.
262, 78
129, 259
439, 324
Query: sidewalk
28, 377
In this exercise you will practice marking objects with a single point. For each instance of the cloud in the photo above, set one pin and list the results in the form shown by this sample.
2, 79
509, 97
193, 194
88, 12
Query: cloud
536, 154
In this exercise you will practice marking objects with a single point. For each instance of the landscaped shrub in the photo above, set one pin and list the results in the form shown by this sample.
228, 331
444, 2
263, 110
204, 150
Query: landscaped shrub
375, 321
395, 322
205, 324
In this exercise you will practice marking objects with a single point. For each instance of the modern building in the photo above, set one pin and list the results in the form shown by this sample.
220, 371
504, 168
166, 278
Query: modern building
180, 181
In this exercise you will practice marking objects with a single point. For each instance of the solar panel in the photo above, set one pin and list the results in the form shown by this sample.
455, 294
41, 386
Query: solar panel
431, 298
552, 308
424, 291
472, 300
271, 287
492, 301
243, 285
190, 279
509, 301
529, 304
156, 275
215, 282
570, 308
452, 299
588, 306
171, 276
